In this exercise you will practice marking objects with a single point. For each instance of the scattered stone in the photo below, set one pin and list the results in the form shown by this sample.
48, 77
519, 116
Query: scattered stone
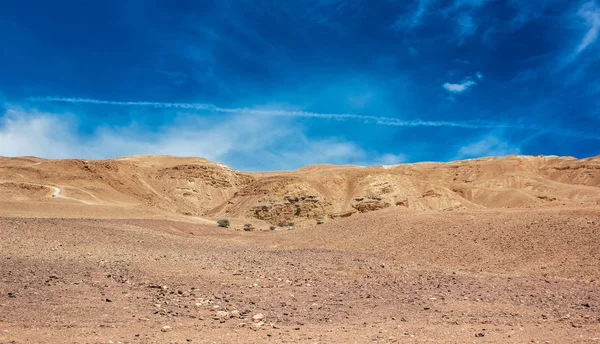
222, 315
258, 317
108, 300
480, 334
258, 324
11, 295
166, 328
235, 313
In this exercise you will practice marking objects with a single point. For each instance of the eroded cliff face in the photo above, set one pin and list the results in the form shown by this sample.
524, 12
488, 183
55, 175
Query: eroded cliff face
200, 188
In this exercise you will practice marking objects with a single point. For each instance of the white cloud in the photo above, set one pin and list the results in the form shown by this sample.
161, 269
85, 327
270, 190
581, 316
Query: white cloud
591, 13
459, 88
488, 146
260, 142
255, 114
479, 75
391, 159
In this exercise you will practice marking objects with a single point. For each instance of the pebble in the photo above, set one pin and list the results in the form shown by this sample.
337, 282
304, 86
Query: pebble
258, 317
222, 314
166, 328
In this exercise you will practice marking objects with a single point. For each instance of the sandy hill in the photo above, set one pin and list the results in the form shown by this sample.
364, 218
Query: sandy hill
196, 189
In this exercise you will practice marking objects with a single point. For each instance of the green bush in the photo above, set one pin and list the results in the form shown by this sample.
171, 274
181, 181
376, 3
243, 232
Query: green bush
223, 223
320, 222
272, 228
248, 227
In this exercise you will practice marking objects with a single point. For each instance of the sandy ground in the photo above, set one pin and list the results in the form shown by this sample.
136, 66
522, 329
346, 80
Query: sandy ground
472, 276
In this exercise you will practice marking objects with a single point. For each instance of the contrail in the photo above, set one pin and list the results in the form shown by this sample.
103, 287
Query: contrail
381, 120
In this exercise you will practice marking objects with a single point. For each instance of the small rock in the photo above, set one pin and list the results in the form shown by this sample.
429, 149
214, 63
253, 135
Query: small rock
480, 334
108, 300
166, 328
258, 317
11, 295
235, 313
222, 314
258, 324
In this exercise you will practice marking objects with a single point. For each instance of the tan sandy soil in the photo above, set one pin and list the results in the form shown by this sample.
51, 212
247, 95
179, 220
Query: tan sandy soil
493, 250
508, 276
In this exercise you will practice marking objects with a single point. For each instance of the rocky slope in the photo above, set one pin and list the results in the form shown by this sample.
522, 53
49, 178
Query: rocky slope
194, 187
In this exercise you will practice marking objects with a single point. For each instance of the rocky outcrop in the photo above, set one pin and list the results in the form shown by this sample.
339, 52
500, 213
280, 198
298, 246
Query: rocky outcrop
276, 210
370, 203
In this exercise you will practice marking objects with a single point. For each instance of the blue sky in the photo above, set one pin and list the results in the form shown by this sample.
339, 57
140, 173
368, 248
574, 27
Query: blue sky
263, 85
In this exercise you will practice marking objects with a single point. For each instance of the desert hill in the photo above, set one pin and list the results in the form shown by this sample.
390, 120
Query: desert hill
176, 187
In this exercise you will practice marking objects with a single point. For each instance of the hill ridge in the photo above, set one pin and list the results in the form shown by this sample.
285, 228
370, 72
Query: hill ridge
169, 186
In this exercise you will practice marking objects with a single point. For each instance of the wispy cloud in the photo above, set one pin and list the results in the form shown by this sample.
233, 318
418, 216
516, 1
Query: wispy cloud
379, 120
487, 146
590, 12
413, 19
271, 142
460, 87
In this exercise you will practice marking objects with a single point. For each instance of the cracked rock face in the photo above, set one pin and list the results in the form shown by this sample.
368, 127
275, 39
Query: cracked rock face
366, 204
275, 210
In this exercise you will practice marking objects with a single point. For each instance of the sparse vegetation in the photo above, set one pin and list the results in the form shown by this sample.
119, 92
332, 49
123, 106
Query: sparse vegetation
320, 222
272, 228
248, 227
223, 223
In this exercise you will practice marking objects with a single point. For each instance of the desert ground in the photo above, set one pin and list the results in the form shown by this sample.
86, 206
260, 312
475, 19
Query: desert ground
127, 250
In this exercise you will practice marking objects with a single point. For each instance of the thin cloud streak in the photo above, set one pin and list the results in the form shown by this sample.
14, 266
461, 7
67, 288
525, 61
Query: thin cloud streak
591, 13
380, 120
